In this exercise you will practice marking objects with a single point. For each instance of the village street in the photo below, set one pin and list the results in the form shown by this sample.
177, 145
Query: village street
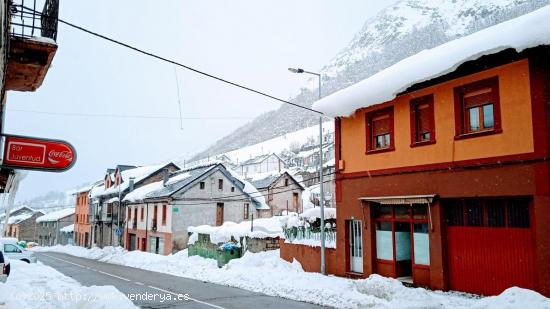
134, 281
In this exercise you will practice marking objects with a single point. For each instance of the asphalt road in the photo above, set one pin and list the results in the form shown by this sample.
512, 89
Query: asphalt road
139, 282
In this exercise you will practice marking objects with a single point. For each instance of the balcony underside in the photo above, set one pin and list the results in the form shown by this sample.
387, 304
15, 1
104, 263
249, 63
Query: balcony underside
28, 63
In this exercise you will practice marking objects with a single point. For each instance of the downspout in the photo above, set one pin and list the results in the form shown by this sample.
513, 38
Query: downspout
146, 224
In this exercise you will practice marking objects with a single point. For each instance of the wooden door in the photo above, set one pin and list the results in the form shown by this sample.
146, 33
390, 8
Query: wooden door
219, 214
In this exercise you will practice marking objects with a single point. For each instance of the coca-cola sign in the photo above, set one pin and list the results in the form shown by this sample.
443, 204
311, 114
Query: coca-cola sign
37, 153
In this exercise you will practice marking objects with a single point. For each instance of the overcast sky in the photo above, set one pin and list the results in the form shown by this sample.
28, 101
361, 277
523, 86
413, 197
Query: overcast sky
251, 42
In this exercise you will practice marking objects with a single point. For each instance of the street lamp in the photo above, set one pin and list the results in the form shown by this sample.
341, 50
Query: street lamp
321, 193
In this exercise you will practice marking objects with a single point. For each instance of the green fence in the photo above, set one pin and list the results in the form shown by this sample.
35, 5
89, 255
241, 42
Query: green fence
301, 232
204, 248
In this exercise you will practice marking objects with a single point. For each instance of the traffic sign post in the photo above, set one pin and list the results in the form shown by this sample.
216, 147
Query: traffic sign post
31, 153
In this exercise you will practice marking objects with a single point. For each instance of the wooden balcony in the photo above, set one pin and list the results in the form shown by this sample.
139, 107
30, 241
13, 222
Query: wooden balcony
32, 43
28, 63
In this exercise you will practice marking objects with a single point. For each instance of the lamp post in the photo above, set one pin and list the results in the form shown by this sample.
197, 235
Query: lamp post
321, 193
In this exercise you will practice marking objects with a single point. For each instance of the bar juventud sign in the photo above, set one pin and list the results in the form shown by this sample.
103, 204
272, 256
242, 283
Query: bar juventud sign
23, 152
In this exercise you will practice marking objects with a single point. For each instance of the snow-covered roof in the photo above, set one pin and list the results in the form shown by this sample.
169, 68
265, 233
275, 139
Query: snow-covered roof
257, 198
56, 215
259, 159
138, 174
264, 180
182, 178
523, 32
19, 218
67, 229
176, 182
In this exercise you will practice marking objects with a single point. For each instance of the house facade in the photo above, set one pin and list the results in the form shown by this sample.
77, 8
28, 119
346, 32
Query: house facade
108, 222
282, 192
23, 226
447, 185
49, 226
160, 213
261, 164
82, 227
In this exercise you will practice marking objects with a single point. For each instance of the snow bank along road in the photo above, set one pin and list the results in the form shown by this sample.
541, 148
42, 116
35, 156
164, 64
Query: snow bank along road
142, 284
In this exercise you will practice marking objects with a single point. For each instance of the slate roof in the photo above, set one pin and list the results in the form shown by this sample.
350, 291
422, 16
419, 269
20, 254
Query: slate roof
267, 181
259, 159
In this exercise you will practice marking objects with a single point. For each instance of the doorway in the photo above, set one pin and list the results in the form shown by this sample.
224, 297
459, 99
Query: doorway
402, 242
356, 245
219, 214
132, 242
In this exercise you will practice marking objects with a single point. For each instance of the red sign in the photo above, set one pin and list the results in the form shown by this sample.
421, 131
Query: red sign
38, 153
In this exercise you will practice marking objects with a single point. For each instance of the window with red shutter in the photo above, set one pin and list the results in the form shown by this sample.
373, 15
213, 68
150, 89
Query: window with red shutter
422, 121
164, 214
379, 130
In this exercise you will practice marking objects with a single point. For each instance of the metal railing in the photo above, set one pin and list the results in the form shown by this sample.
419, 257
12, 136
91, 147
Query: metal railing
34, 18
299, 233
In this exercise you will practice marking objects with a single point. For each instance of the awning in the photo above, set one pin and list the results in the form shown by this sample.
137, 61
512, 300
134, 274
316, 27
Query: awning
400, 200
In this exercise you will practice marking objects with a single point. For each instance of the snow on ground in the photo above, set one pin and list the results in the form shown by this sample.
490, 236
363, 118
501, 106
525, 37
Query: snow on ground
40, 286
383, 86
266, 273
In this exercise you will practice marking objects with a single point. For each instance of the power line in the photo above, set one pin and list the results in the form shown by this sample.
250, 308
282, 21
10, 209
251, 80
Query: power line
71, 114
150, 54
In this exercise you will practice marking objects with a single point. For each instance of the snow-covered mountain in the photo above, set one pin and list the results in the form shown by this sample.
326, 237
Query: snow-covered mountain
399, 31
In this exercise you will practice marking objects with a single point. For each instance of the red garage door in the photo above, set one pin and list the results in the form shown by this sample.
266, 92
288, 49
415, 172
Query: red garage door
489, 245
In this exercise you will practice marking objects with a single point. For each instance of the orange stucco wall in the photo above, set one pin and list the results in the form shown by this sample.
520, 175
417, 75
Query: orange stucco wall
81, 225
516, 119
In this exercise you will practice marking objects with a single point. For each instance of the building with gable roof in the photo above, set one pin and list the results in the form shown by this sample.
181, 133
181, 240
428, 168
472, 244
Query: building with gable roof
159, 213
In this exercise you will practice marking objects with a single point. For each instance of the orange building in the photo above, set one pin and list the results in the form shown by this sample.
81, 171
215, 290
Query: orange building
448, 185
82, 227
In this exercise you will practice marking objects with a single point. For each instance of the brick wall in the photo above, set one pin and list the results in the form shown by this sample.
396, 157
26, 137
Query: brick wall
309, 257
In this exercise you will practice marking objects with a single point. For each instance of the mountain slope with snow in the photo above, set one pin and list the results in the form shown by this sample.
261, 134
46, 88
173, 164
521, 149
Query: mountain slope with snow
397, 32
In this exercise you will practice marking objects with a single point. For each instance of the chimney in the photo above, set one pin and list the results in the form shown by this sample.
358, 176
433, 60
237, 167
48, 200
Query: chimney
131, 184
165, 174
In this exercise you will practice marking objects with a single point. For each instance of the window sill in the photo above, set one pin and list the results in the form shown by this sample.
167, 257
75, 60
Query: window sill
375, 151
477, 134
423, 143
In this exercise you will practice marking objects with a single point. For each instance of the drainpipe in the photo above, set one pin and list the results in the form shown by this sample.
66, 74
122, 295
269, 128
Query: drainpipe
146, 224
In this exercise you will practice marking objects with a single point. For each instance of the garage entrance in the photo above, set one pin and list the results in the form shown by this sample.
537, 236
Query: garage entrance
489, 244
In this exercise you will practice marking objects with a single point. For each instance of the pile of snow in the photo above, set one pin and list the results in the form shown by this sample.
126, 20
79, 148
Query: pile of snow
384, 86
262, 228
288, 280
313, 214
67, 229
38, 286
56, 215
306, 199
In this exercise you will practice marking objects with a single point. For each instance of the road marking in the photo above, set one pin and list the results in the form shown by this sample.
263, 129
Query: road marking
114, 276
138, 283
189, 298
152, 287
69, 262
53, 257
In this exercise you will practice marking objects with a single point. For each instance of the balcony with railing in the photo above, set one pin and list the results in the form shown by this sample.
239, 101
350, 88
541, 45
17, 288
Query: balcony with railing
32, 43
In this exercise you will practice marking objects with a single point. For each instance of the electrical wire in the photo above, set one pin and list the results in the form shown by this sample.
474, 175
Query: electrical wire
129, 116
158, 57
